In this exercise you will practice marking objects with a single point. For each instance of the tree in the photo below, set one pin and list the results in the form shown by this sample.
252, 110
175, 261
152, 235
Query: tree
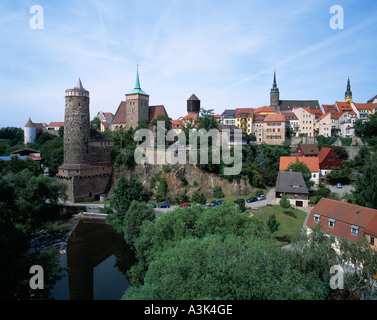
137, 213
162, 189
273, 224
226, 268
299, 166
124, 192
199, 198
284, 202
96, 123
366, 185
218, 192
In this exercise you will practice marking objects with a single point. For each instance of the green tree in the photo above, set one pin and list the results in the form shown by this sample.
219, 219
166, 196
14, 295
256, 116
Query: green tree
162, 190
273, 224
199, 198
299, 166
366, 185
225, 268
218, 192
124, 192
137, 213
96, 123
284, 202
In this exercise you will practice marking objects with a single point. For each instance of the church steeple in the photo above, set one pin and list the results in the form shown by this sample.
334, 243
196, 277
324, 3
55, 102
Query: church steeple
348, 94
274, 95
137, 89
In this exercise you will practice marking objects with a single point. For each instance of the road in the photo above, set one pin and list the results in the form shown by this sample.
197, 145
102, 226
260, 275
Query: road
341, 191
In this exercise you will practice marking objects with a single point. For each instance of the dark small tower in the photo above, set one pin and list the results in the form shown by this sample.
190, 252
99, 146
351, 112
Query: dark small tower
76, 125
348, 94
274, 95
193, 105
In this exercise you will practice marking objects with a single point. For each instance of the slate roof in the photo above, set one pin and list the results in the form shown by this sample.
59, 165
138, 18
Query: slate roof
155, 111
373, 99
290, 104
309, 149
291, 182
120, 115
229, 113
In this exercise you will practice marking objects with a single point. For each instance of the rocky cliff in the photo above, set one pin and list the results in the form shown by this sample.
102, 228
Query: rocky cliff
185, 179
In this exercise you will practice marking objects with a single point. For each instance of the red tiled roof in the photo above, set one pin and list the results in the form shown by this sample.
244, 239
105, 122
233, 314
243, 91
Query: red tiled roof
155, 111
56, 125
323, 153
241, 111
311, 162
120, 115
369, 106
274, 117
345, 215
264, 109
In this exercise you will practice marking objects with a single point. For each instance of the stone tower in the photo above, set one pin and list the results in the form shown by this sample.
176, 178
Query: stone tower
274, 96
348, 94
137, 105
193, 105
76, 125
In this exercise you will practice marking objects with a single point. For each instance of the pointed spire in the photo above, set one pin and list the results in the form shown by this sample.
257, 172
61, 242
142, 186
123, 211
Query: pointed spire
348, 94
79, 85
137, 84
274, 85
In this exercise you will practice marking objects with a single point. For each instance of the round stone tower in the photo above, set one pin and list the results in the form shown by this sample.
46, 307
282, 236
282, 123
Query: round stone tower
193, 105
76, 125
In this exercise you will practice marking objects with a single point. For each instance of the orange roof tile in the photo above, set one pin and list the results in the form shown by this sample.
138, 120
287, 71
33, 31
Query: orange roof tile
56, 124
274, 117
264, 109
311, 162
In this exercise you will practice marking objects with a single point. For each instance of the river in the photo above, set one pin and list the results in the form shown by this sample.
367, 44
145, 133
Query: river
97, 259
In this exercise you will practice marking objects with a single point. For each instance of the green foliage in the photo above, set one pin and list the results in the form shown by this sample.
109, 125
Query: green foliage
366, 185
137, 213
340, 152
124, 192
367, 130
323, 141
218, 192
323, 192
273, 224
299, 166
96, 123
226, 268
284, 202
12, 136
199, 198
339, 176
162, 190
52, 151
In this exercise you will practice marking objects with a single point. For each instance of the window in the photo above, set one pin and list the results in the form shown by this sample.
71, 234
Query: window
371, 241
331, 223
354, 230
316, 218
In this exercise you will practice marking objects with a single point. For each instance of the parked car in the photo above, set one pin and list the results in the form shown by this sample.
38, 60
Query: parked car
252, 199
215, 203
220, 201
261, 197
208, 204
339, 185
152, 205
185, 204
164, 205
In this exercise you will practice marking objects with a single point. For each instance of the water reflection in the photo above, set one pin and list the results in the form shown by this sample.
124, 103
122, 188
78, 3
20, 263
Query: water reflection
97, 259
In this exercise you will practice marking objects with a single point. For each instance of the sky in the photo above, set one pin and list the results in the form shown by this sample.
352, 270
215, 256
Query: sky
223, 51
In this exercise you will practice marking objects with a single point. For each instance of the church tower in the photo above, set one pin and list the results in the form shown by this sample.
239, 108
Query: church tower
348, 94
137, 105
274, 96
76, 125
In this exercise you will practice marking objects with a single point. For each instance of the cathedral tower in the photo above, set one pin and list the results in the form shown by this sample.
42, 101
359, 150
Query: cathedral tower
274, 96
348, 94
76, 125
137, 105
193, 105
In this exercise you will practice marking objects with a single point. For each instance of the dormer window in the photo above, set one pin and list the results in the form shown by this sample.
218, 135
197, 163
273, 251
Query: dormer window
354, 230
316, 218
331, 223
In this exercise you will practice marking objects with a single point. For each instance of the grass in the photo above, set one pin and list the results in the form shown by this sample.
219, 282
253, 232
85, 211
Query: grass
290, 226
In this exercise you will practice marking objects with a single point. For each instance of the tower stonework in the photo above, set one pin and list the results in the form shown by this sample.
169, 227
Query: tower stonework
76, 125
87, 169
274, 96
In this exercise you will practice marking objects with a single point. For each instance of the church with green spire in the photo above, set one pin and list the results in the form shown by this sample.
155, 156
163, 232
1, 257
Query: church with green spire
348, 94
135, 108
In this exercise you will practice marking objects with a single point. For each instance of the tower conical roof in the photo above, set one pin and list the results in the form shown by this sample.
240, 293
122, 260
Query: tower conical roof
137, 89
274, 85
193, 97
79, 85
29, 124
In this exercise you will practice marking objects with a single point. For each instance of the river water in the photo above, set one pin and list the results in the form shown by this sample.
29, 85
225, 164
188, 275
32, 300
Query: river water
97, 259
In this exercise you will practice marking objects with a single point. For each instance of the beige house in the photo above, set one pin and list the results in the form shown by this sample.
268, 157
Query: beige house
323, 125
273, 129
305, 121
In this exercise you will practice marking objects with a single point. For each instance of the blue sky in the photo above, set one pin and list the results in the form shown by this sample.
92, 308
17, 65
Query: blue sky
223, 51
